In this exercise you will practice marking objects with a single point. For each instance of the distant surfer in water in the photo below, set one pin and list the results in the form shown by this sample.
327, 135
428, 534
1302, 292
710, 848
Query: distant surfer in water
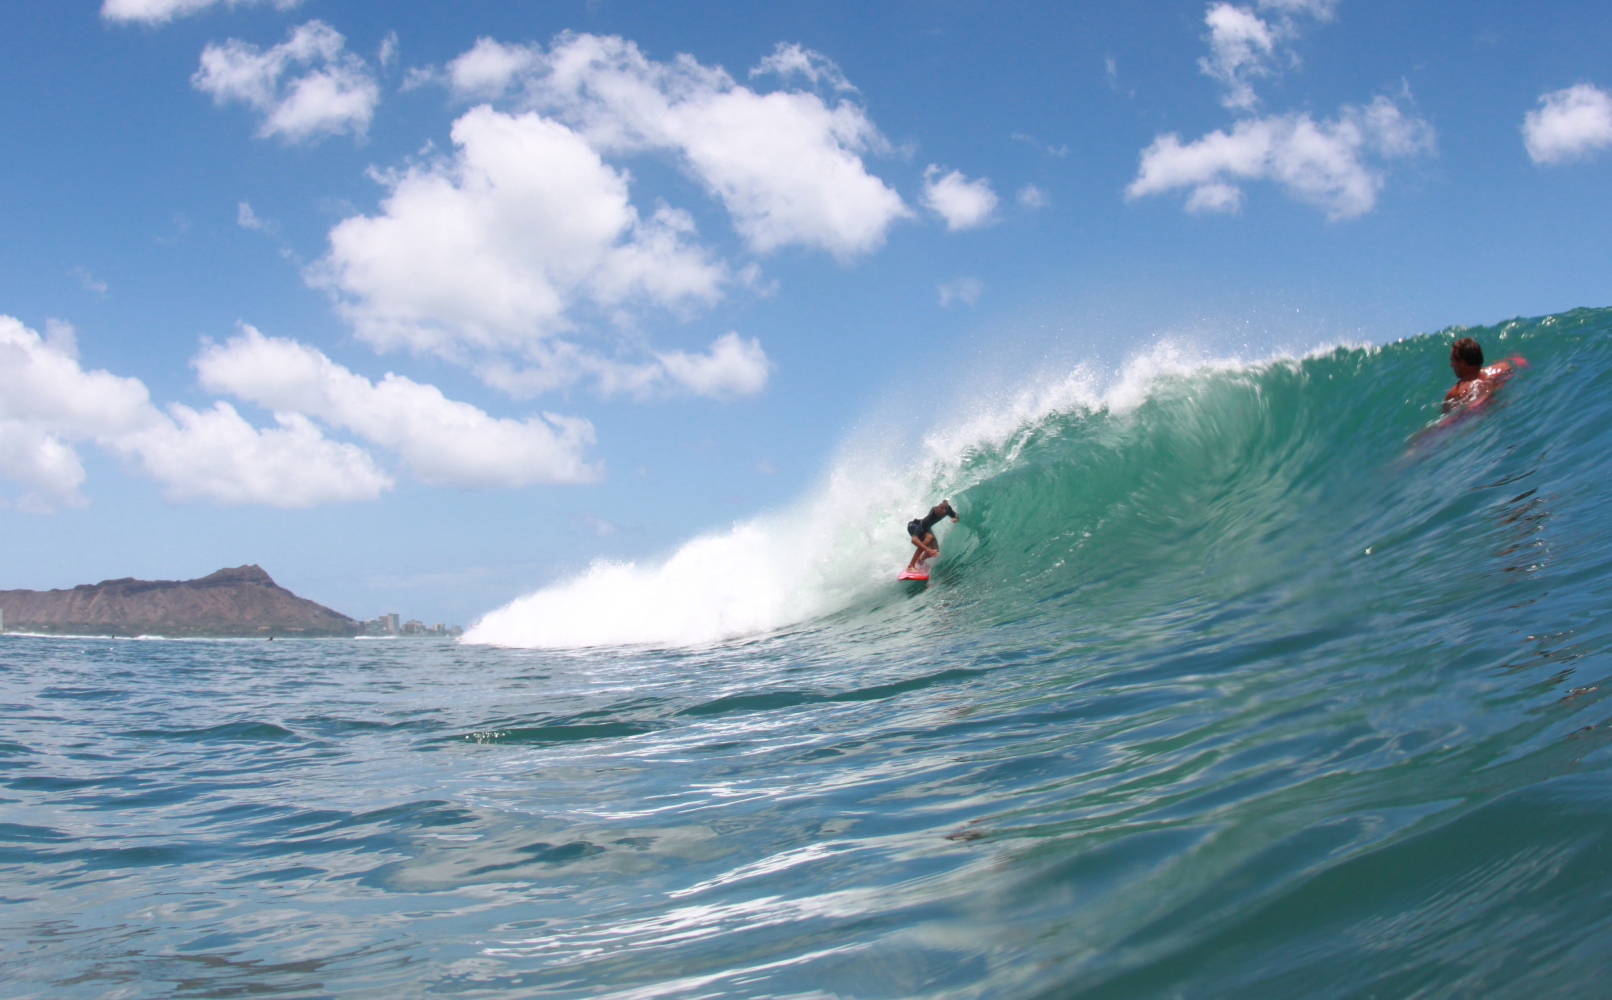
922, 532
1474, 383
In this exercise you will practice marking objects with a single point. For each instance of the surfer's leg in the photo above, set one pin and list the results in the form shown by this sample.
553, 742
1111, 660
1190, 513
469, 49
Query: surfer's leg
925, 548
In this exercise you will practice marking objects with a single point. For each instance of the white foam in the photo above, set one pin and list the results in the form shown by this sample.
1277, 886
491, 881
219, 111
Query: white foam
820, 554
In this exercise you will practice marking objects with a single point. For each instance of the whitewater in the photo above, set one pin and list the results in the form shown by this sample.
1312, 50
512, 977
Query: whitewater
1236, 678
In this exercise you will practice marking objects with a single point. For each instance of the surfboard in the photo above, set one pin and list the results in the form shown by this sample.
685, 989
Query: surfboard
914, 574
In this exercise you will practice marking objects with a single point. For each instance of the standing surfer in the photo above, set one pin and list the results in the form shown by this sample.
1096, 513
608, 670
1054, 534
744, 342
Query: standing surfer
1475, 383
922, 532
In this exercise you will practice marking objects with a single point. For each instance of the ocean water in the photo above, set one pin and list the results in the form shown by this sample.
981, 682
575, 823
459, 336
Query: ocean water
1235, 680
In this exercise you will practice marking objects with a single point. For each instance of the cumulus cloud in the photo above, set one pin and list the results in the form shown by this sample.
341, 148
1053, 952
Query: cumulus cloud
161, 11
444, 442
1244, 47
963, 203
490, 67
787, 165
216, 455
732, 367
1337, 164
508, 252
1334, 164
306, 88
1241, 45
1568, 124
491, 248
48, 402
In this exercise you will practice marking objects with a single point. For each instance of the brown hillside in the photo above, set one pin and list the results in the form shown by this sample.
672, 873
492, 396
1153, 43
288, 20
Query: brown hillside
240, 601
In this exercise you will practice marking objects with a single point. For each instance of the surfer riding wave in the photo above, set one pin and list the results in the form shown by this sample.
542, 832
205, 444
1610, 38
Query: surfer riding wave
922, 532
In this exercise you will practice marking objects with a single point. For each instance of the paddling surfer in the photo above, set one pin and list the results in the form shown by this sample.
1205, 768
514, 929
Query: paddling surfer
922, 532
1473, 382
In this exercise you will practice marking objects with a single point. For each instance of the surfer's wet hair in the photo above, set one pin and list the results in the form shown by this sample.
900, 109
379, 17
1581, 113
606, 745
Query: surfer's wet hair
1468, 351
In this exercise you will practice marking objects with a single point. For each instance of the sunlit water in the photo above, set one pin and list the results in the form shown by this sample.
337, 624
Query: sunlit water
1224, 688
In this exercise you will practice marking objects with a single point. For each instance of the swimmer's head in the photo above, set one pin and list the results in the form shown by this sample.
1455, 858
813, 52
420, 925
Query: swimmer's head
1467, 351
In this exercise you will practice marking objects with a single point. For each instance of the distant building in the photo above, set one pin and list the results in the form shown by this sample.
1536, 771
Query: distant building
389, 624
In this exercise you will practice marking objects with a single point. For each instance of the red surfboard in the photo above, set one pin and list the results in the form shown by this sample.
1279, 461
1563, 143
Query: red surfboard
914, 574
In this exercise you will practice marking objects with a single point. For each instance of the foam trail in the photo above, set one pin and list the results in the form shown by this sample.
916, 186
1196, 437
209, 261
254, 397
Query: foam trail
818, 556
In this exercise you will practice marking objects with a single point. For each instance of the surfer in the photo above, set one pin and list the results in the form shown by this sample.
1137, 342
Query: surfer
1473, 382
922, 532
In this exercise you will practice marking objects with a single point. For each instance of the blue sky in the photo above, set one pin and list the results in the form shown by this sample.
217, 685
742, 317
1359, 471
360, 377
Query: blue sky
421, 306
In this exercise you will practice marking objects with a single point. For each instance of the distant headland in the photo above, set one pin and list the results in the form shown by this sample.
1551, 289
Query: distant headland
243, 601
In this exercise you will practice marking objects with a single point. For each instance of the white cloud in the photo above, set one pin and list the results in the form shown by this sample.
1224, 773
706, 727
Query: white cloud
248, 219
506, 253
160, 11
444, 442
1241, 45
964, 290
1330, 163
490, 68
47, 401
42, 462
1058, 151
216, 455
786, 165
732, 367
490, 249
963, 203
335, 92
1244, 47
386, 55
791, 59
89, 281
1111, 72
1031, 196
61, 338
1321, 10
1568, 124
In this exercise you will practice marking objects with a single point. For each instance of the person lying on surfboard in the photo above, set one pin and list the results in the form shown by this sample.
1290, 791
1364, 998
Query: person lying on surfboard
1474, 383
922, 532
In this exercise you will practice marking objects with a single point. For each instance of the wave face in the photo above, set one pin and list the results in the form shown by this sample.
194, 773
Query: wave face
1234, 680
1182, 480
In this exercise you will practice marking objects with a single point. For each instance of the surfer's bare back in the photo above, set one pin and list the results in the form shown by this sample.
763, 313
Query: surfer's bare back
1474, 383
922, 532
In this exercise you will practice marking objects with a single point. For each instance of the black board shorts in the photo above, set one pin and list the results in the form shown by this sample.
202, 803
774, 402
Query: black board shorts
915, 527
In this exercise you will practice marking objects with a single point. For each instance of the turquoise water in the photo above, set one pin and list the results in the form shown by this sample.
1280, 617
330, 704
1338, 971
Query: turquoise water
1227, 690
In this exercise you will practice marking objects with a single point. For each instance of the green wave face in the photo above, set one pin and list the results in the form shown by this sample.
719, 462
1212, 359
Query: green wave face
1259, 490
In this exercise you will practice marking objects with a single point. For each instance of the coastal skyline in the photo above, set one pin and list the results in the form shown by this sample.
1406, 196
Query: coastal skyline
428, 308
